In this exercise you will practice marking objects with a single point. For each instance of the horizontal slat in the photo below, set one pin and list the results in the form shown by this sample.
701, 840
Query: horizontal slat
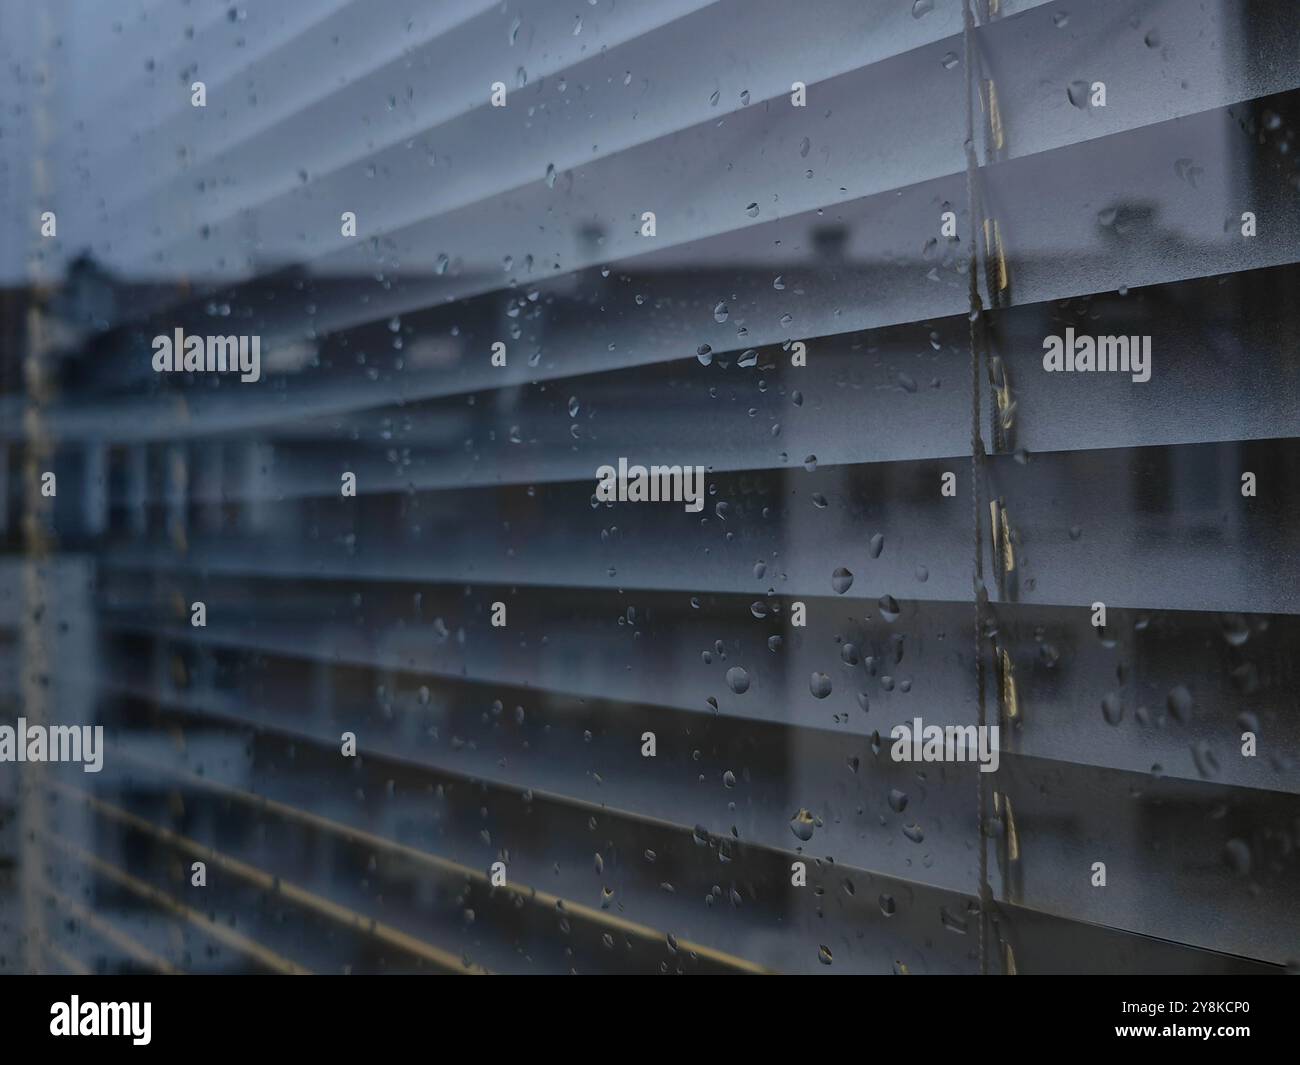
1232, 668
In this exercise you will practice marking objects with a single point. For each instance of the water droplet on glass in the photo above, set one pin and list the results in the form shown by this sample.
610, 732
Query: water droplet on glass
1152, 39
574, 406
738, 680
705, 354
887, 905
802, 826
819, 501
810, 463
752, 210
841, 580
1235, 629
914, 833
729, 779
1112, 709
820, 685
1179, 702
824, 954
721, 312
897, 800
1077, 91
921, 8
949, 60
889, 608
748, 358
877, 545
550, 175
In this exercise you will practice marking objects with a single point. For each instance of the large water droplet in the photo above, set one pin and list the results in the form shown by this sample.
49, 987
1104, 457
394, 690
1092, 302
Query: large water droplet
1077, 91
738, 680
897, 800
921, 8
721, 312
819, 685
1237, 855
802, 826
841, 580
1112, 709
877, 545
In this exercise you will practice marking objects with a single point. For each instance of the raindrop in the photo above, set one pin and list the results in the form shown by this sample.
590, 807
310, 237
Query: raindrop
897, 800
573, 406
824, 954
889, 608
802, 826
752, 210
1112, 709
841, 580
774, 643
550, 175
914, 833
805, 146
877, 545
705, 354
819, 501
758, 608
729, 779
748, 358
819, 685
887, 905
1077, 91
1152, 39
949, 60
921, 8
1237, 855
1235, 629
1179, 702
721, 312
738, 680
778, 283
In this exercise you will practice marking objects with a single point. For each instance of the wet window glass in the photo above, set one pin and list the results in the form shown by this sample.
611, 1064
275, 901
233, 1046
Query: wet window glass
649, 487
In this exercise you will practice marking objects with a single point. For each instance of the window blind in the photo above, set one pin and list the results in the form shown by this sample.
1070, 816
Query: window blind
838, 309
